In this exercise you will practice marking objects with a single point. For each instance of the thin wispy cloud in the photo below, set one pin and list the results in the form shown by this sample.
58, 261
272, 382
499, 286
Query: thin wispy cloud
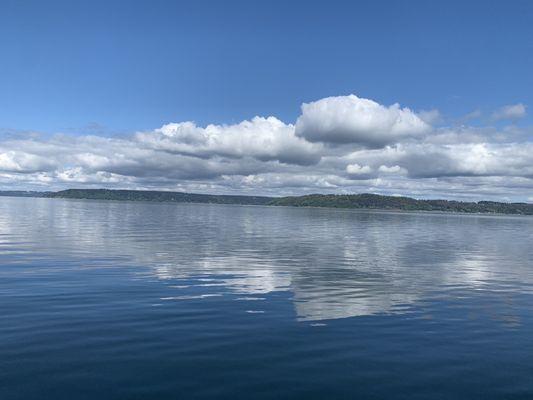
510, 112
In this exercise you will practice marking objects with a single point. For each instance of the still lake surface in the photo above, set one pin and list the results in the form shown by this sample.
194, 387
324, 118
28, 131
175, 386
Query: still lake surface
127, 300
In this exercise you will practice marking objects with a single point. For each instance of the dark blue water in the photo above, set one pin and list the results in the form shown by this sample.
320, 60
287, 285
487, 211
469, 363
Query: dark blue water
118, 300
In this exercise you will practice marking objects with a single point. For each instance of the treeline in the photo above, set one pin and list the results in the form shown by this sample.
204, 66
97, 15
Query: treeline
23, 193
374, 201
368, 201
158, 196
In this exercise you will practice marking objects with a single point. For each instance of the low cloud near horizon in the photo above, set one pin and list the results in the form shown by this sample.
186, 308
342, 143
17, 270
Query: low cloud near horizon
341, 144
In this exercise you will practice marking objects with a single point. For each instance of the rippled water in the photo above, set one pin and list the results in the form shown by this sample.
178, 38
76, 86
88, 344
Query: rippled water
120, 300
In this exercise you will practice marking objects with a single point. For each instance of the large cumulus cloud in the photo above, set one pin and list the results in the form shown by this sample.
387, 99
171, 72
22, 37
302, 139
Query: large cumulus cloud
338, 144
350, 119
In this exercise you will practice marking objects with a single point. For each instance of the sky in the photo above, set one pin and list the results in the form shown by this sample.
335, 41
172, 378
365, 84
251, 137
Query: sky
429, 99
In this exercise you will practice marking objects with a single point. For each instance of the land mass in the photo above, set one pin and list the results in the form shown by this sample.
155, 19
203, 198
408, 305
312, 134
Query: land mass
358, 201
23, 193
158, 196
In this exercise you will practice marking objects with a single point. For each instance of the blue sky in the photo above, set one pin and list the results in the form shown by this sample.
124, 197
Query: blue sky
421, 98
135, 65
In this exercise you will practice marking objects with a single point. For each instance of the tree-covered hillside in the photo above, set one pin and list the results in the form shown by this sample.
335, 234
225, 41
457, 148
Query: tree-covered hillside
374, 201
365, 200
157, 196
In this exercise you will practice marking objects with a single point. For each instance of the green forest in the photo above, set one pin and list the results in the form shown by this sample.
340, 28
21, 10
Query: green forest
365, 200
360, 201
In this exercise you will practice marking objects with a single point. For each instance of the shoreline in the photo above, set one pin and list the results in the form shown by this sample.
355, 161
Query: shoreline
515, 209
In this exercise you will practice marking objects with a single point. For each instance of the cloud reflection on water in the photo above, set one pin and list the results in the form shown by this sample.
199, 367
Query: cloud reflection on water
335, 263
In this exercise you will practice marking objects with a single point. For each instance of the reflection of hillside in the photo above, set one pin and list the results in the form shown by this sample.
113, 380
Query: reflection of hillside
337, 264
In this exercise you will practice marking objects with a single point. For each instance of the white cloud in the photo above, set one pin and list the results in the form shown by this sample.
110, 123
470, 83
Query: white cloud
512, 112
351, 119
342, 145
476, 114
428, 160
265, 139
395, 169
430, 117
357, 169
20, 161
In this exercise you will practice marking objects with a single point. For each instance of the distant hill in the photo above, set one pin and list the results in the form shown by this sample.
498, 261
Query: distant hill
158, 196
23, 193
374, 201
361, 201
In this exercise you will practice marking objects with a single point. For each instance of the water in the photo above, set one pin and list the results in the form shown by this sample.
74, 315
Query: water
125, 300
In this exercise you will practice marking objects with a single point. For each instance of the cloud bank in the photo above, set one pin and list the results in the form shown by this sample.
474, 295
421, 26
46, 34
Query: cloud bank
338, 144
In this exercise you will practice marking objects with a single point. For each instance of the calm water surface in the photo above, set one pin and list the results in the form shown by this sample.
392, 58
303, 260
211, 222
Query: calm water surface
125, 300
